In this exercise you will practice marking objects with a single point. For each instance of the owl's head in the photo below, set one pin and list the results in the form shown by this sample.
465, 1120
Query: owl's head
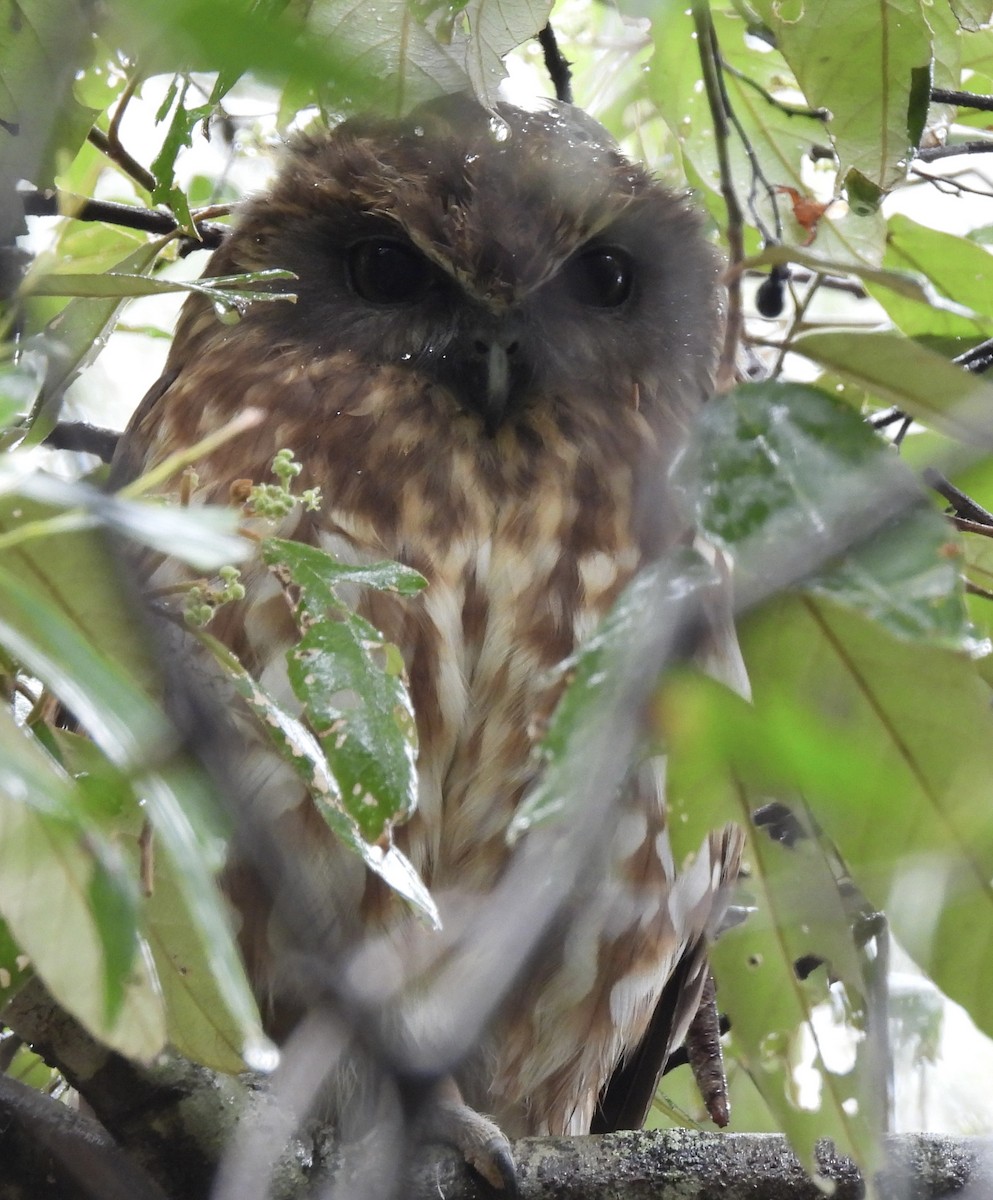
505, 257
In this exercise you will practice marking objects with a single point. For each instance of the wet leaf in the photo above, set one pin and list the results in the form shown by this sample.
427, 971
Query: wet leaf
42, 47
957, 270
887, 43
61, 642
69, 904
226, 290
326, 584
350, 681
778, 464
298, 746
915, 822
899, 371
384, 40
74, 338
495, 28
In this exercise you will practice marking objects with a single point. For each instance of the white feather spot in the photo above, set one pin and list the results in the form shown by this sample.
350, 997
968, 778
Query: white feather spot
630, 834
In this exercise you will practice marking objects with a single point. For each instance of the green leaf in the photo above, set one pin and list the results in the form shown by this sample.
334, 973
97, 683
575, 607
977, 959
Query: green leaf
75, 337
52, 638
955, 267
20, 384
15, 966
43, 46
201, 1023
350, 680
69, 904
495, 28
798, 912
271, 42
319, 575
780, 133
229, 290
113, 900
597, 674
302, 751
179, 135
74, 574
35, 508
972, 14
354, 696
777, 463
915, 826
902, 372
384, 40
865, 63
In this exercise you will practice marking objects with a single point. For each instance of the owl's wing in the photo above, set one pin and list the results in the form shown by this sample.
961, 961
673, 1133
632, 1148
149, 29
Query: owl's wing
625, 1101
627, 1096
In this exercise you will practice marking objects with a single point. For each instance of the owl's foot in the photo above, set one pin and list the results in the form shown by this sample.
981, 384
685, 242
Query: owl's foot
480, 1140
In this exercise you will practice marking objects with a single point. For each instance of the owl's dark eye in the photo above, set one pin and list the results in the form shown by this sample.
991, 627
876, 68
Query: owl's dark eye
600, 276
384, 271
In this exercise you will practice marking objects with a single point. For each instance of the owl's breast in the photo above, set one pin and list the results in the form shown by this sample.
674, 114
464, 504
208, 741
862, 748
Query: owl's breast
524, 554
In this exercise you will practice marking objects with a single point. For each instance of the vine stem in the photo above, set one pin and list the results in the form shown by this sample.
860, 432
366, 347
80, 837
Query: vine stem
710, 65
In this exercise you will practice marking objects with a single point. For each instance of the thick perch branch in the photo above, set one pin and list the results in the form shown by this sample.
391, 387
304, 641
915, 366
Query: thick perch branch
164, 1128
704, 1166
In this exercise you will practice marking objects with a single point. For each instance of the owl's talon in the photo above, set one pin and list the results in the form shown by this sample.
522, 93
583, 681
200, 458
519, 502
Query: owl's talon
497, 1166
479, 1140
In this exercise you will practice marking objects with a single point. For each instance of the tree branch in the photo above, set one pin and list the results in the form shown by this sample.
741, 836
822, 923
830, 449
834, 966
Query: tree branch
147, 220
83, 438
709, 53
962, 99
742, 1166
932, 153
557, 65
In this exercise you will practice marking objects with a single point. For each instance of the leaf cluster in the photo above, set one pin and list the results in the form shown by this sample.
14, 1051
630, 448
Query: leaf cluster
804, 129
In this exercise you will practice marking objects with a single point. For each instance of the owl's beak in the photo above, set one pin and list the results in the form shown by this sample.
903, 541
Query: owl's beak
495, 353
497, 385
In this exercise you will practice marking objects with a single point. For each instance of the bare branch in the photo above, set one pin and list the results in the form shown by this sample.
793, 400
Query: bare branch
709, 62
962, 99
147, 220
557, 65
932, 153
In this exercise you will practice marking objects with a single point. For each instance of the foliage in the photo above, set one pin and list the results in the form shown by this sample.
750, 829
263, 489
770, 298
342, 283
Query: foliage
803, 127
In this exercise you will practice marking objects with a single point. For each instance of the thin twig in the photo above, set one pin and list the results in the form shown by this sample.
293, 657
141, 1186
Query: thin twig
972, 526
117, 154
973, 589
758, 176
790, 110
962, 99
948, 185
978, 359
709, 59
147, 220
799, 312
557, 65
887, 417
902, 432
82, 438
932, 153
964, 506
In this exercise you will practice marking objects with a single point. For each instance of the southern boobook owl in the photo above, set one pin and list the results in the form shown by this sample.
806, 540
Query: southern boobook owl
503, 331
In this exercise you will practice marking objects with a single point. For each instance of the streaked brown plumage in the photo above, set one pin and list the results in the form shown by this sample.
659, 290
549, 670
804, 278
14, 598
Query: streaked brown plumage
503, 331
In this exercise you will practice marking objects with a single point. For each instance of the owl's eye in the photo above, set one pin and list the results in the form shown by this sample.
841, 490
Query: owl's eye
600, 277
384, 271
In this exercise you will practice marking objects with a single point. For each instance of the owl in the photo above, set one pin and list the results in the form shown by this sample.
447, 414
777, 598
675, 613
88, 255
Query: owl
503, 331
